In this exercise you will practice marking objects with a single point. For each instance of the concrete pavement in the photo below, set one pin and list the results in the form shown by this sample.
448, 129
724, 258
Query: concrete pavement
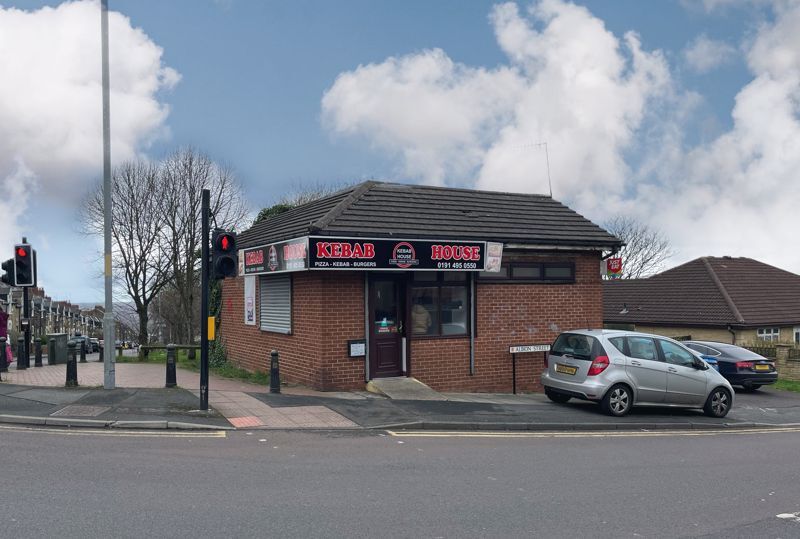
238, 404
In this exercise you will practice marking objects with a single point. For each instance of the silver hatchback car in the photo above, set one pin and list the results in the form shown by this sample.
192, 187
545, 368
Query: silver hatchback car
620, 369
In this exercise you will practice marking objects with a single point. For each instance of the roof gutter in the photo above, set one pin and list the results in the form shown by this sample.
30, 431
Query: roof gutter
534, 247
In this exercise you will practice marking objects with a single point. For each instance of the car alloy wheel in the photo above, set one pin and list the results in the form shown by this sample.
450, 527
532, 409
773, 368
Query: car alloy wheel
617, 401
718, 403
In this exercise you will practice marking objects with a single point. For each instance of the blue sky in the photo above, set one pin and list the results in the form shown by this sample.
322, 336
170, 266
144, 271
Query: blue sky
254, 84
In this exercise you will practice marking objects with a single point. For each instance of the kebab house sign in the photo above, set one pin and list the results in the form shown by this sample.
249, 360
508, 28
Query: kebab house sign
325, 253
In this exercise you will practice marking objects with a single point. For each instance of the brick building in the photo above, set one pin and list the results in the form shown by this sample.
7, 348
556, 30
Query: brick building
388, 280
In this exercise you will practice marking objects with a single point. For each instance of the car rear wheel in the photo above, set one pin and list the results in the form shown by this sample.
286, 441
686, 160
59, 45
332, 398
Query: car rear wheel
617, 401
718, 403
556, 397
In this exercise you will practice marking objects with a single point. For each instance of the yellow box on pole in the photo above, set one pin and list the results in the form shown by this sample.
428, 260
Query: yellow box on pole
211, 325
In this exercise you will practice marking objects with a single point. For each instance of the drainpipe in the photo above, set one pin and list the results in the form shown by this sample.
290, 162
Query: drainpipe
472, 324
733, 334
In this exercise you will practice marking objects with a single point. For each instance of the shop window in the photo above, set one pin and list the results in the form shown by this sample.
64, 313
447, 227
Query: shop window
533, 272
769, 334
275, 303
439, 304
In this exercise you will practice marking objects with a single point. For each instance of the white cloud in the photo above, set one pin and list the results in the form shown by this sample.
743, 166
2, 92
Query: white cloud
704, 54
572, 84
615, 121
50, 102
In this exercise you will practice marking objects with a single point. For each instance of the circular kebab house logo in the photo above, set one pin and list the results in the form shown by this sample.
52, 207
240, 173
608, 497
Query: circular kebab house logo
273, 258
404, 256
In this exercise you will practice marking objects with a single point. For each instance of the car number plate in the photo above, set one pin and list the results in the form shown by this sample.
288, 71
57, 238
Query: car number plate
762, 367
566, 369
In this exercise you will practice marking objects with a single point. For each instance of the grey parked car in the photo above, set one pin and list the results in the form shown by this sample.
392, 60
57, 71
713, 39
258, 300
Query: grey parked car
620, 369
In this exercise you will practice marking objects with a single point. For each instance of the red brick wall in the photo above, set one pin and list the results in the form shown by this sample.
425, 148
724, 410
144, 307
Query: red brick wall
328, 309
512, 314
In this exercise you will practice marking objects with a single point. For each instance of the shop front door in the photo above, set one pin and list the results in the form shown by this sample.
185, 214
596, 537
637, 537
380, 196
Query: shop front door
387, 318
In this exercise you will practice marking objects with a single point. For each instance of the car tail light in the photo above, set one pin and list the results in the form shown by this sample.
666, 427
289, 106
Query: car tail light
599, 364
744, 364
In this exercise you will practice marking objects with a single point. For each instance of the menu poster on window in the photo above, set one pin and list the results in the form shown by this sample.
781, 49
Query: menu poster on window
278, 257
250, 300
494, 256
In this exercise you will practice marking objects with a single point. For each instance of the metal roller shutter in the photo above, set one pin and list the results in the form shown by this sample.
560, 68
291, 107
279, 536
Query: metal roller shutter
276, 303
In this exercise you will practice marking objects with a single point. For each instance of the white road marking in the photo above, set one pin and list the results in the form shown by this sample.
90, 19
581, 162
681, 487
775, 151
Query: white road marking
119, 433
586, 434
790, 516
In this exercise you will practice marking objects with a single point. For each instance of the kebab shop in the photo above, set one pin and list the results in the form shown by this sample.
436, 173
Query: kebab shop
342, 310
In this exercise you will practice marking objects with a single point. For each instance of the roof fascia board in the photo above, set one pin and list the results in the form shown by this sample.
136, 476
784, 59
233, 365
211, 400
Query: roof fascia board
542, 247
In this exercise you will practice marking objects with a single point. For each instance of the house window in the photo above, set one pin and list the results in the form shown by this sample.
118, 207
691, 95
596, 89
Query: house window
769, 334
439, 304
275, 303
533, 272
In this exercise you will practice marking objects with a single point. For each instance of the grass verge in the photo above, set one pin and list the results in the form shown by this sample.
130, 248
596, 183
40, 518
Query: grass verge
226, 370
787, 385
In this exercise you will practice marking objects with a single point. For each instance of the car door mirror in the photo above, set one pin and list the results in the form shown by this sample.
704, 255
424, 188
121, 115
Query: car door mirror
699, 364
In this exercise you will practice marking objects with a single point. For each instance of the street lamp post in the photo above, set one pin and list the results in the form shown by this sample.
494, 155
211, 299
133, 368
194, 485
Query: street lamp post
108, 315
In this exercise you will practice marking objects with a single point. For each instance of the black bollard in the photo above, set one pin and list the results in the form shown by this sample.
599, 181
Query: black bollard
3, 358
21, 363
83, 351
101, 355
119, 351
37, 352
51, 352
171, 378
72, 365
274, 373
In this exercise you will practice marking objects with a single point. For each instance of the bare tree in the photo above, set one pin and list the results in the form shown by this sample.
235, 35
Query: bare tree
184, 175
139, 259
646, 249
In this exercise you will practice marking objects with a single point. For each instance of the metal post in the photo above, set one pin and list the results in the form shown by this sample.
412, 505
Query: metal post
37, 352
274, 373
20, 353
514, 373
3, 363
72, 365
83, 351
204, 302
101, 354
51, 352
171, 378
109, 374
26, 307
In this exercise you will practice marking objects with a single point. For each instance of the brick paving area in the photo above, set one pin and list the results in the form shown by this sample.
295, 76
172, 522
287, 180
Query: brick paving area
244, 411
229, 397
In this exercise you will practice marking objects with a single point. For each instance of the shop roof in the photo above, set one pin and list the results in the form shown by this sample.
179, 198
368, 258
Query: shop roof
709, 292
386, 210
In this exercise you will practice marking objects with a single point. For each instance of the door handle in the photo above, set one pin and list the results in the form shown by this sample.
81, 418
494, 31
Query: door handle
636, 364
672, 369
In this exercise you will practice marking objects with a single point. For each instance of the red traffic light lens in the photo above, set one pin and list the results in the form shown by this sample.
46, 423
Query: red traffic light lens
21, 252
225, 242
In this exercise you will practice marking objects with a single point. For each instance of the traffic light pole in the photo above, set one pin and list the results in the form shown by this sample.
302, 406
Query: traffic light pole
26, 314
204, 301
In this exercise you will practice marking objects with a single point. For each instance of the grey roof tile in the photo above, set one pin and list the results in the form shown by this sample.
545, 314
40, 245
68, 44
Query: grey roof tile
377, 209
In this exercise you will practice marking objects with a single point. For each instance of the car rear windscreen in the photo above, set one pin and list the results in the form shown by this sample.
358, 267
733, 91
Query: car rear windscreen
575, 345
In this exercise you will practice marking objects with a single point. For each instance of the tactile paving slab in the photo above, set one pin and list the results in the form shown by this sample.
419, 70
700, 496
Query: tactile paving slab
80, 410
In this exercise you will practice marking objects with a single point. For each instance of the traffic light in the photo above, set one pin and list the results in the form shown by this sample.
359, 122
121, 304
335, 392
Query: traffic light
224, 258
24, 265
8, 273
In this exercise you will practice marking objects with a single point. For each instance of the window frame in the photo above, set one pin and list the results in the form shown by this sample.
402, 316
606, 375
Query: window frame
662, 342
774, 334
488, 277
439, 283
658, 357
